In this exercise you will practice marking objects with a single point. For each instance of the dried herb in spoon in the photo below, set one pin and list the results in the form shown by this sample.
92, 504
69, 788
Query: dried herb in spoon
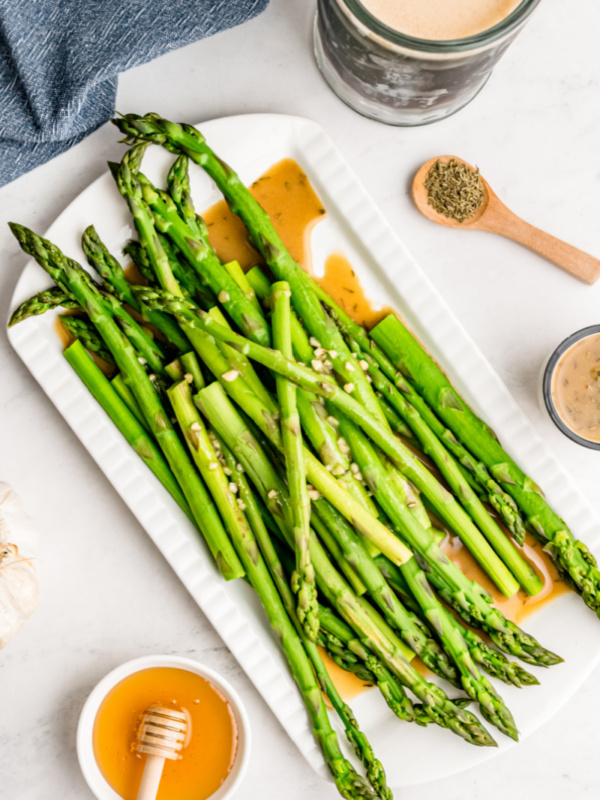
454, 189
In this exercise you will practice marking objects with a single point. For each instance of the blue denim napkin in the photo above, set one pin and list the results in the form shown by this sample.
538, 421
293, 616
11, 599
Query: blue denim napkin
59, 62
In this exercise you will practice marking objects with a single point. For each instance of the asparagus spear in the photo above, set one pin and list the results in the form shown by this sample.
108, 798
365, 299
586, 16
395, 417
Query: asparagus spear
375, 633
571, 556
239, 276
493, 661
349, 654
395, 496
112, 272
187, 140
333, 547
186, 277
101, 389
303, 578
362, 748
410, 628
349, 783
139, 257
139, 337
174, 370
266, 416
82, 329
319, 429
340, 643
320, 384
178, 184
128, 398
502, 502
243, 365
455, 478
40, 303
152, 207
192, 368
72, 276
375, 673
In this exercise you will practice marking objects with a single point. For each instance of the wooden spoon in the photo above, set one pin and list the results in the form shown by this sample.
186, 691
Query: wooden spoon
493, 216
162, 734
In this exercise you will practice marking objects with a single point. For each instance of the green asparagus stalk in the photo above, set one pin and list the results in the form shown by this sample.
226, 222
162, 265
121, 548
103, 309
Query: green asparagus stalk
442, 571
178, 185
502, 502
451, 471
395, 422
69, 274
192, 368
410, 628
349, 783
239, 276
186, 277
174, 370
356, 611
112, 272
393, 496
493, 661
362, 748
571, 556
187, 140
128, 398
82, 329
139, 337
391, 690
320, 384
100, 388
149, 350
243, 365
319, 429
139, 257
303, 577
40, 303
332, 546
198, 252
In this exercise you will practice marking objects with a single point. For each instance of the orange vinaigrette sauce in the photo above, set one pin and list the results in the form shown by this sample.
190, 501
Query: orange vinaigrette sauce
286, 194
206, 761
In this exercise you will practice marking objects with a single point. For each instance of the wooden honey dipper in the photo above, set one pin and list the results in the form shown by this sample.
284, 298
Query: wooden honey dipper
162, 734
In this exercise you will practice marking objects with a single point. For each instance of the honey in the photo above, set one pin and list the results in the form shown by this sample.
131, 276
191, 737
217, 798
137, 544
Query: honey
213, 739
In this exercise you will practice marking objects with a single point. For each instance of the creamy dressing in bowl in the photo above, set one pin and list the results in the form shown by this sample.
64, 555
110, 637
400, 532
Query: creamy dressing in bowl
571, 387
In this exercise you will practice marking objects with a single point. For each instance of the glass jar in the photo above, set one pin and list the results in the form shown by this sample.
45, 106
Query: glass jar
401, 80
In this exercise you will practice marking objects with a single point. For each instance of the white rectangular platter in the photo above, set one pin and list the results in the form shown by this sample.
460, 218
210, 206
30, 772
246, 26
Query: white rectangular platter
354, 226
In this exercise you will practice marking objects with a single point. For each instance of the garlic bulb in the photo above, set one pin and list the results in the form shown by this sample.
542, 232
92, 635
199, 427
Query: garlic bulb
19, 590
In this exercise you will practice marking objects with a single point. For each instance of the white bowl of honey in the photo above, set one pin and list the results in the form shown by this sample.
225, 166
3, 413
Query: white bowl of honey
214, 761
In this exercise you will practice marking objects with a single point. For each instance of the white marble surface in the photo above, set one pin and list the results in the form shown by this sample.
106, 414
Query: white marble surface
107, 595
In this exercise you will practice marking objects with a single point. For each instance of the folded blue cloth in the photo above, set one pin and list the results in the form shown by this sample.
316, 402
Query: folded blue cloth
59, 62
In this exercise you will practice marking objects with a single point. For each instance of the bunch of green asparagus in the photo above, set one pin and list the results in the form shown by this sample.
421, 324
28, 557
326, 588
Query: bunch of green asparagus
301, 446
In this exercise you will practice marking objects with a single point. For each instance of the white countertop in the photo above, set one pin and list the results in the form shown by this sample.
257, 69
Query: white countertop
107, 594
